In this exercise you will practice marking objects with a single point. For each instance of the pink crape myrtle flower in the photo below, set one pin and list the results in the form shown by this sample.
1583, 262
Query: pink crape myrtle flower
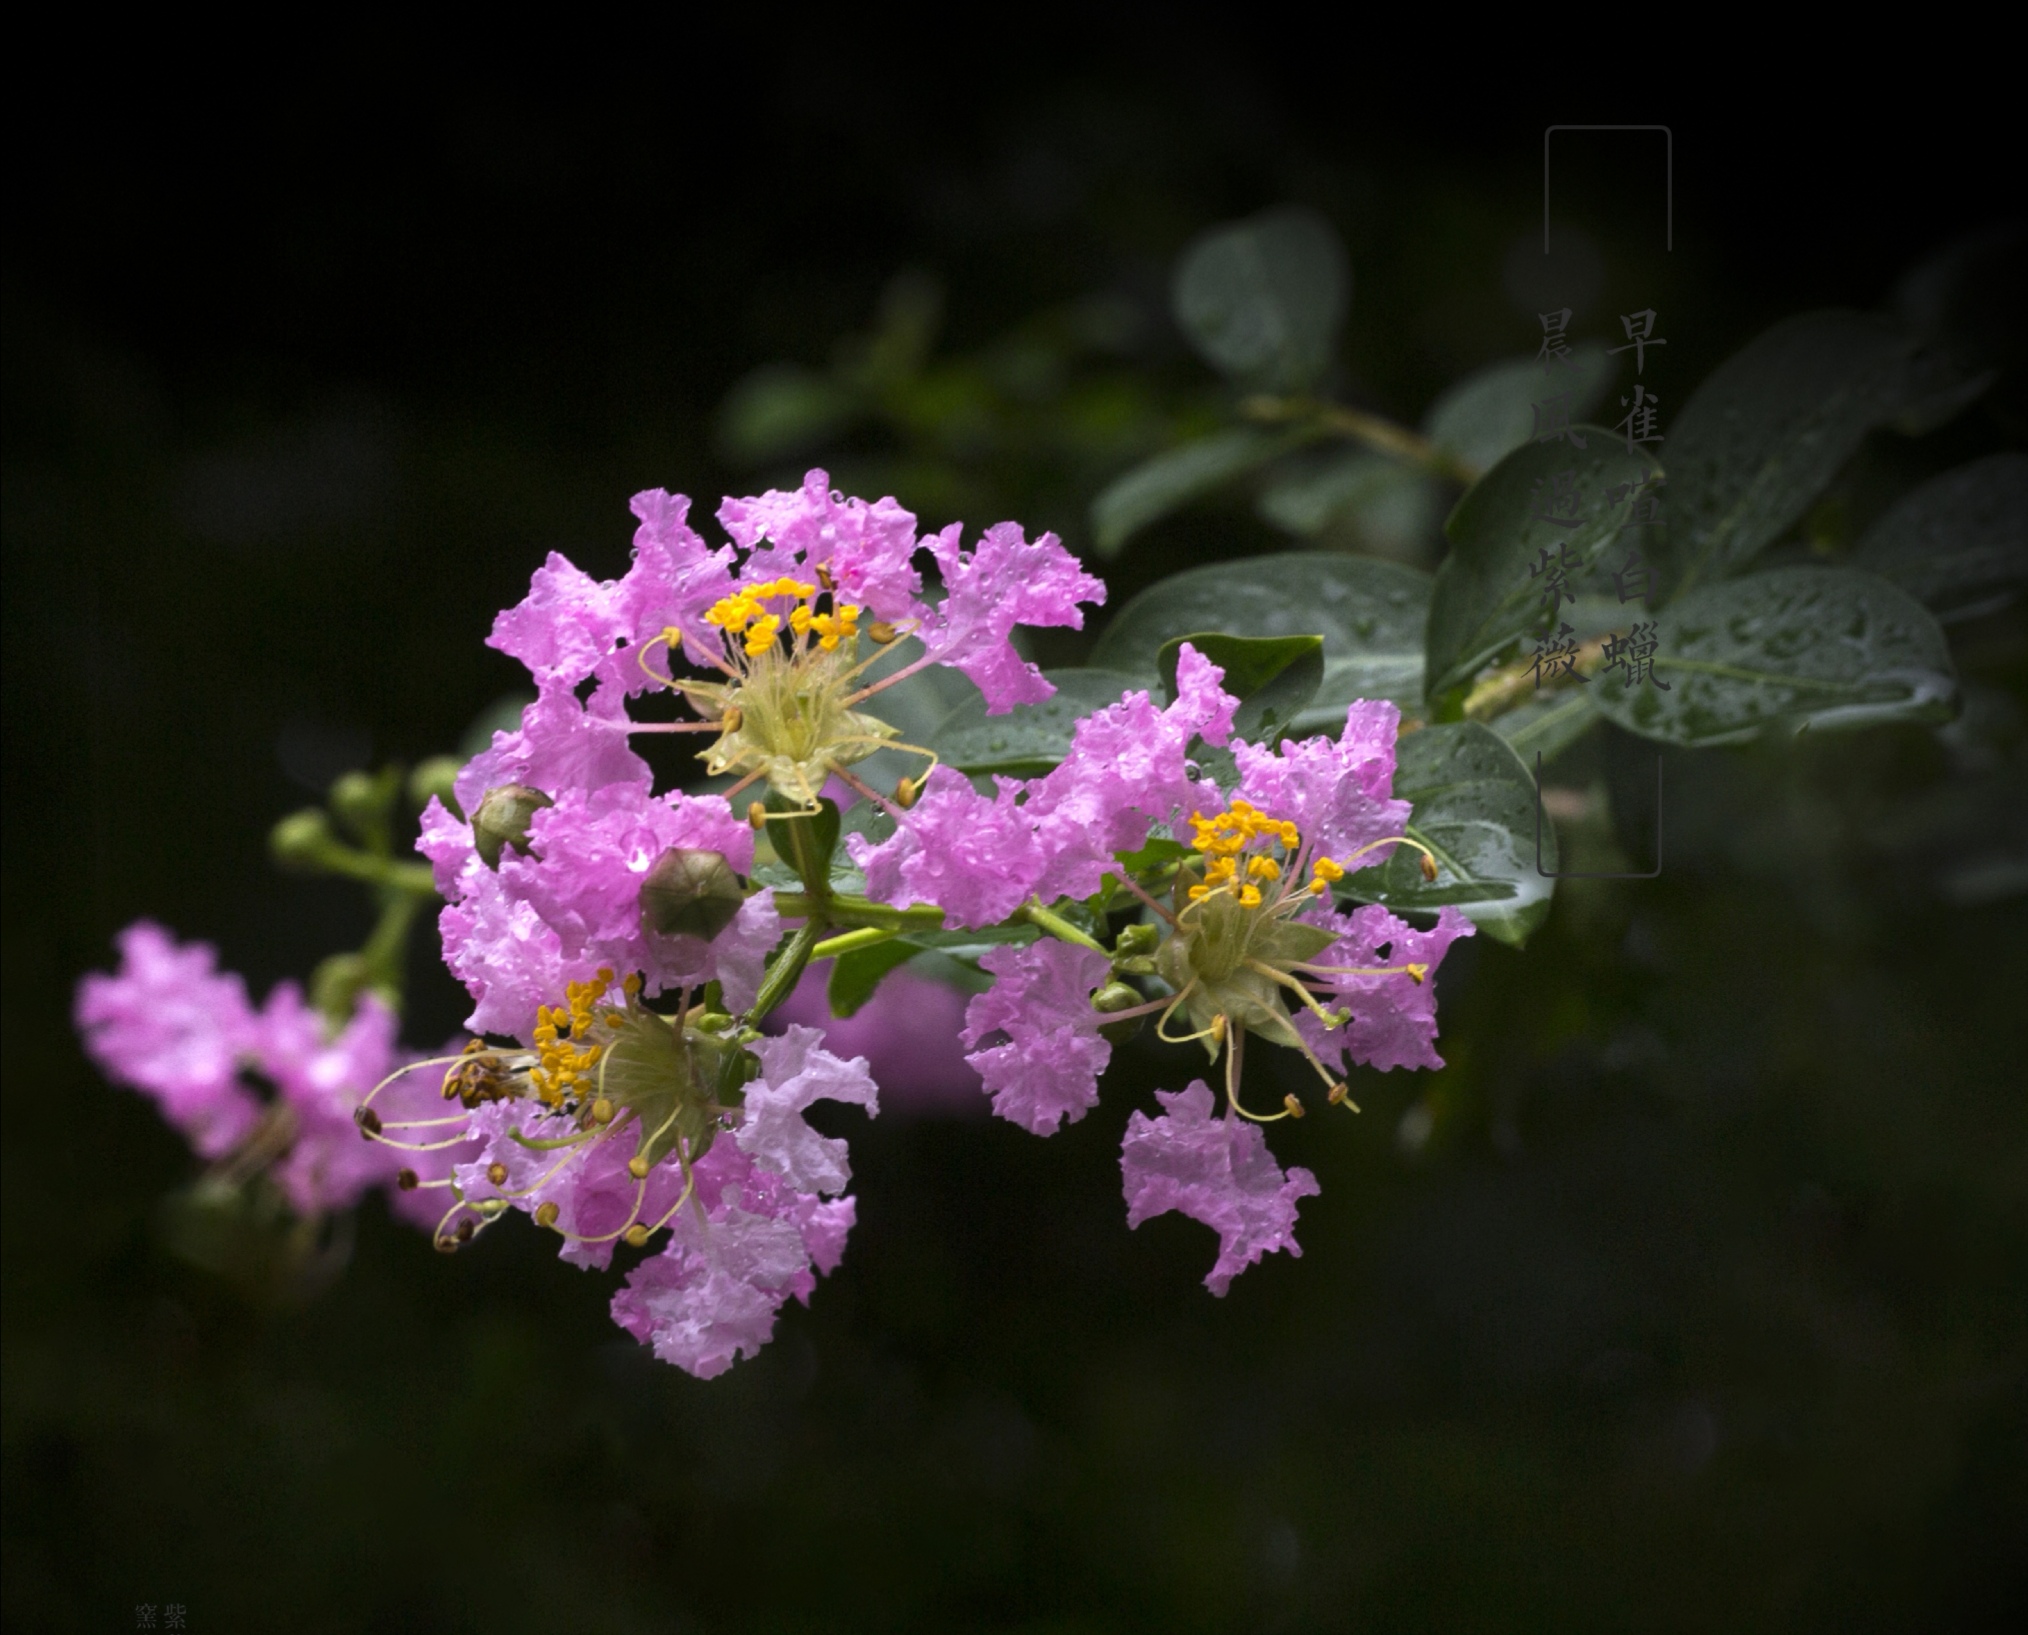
1127, 771
169, 1024
1338, 793
1215, 1170
1393, 1021
1035, 1035
749, 1203
174, 1027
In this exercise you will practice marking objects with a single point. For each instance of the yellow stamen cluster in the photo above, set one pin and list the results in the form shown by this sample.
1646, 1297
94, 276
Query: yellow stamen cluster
745, 614
1323, 872
1224, 837
563, 1058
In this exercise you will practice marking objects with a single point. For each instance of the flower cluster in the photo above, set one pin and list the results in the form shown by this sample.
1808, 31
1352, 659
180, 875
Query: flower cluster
622, 955
266, 1089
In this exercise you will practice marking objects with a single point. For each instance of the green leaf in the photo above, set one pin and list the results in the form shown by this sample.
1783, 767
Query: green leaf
782, 409
1489, 414
1548, 724
1375, 502
1370, 614
1030, 738
1474, 806
1959, 543
1273, 677
1485, 594
1262, 299
1175, 477
1793, 647
1769, 428
854, 976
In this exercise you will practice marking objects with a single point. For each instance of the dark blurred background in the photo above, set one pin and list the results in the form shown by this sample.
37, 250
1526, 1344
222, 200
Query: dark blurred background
1689, 1296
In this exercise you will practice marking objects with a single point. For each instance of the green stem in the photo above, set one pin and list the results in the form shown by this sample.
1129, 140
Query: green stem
1035, 914
857, 911
852, 941
786, 971
1374, 430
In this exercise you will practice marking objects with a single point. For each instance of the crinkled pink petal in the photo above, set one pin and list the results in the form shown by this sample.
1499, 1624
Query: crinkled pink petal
1046, 1070
329, 1166
559, 745
1006, 580
1217, 1171
169, 1023
974, 858
509, 960
868, 550
588, 856
1128, 769
1336, 792
1394, 1020
567, 625
908, 1033
795, 1072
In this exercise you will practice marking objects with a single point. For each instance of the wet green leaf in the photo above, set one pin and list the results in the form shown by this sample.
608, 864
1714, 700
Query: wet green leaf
1489, 414
1369, 613
1175, 477
1487, 593
1790, 648
1959, 543
1262, 299
1769, 428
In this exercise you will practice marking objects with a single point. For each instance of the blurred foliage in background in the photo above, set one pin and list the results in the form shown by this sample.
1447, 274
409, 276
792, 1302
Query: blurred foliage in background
1688, 1295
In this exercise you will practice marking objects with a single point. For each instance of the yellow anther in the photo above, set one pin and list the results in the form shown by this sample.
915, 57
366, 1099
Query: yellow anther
637, 1234
545, 1214
1429, 868
1339, 1091
906, 793
1294, 1106
883, 633
1264, 868
762, 636
1327, 869
1249, 896
756, 814
1199, 893
733, 719
602, 1111
1416, 973
497, 1174
632, 985
799, 620
637, 1167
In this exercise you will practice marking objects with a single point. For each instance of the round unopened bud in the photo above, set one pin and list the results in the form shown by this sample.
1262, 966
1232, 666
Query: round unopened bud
503, 818
303, 839
1115, 996
362, 800
690, 893
1136, 940
436, 776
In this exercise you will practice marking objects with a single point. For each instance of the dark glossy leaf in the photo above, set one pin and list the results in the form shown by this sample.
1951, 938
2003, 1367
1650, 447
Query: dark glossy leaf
1769, 428
1262, 299
1474, 806
1959, 543
1030, 738
1549, 497
1273, 677
1790, 648
1490, 413
1371, 500
854, 976
1175, 477
1370, 614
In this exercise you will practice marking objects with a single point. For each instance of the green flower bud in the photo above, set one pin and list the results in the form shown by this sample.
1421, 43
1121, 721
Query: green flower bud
690, 893
502, 820
1117, 996
435, 777
302, 840
1134, 941
362, 801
